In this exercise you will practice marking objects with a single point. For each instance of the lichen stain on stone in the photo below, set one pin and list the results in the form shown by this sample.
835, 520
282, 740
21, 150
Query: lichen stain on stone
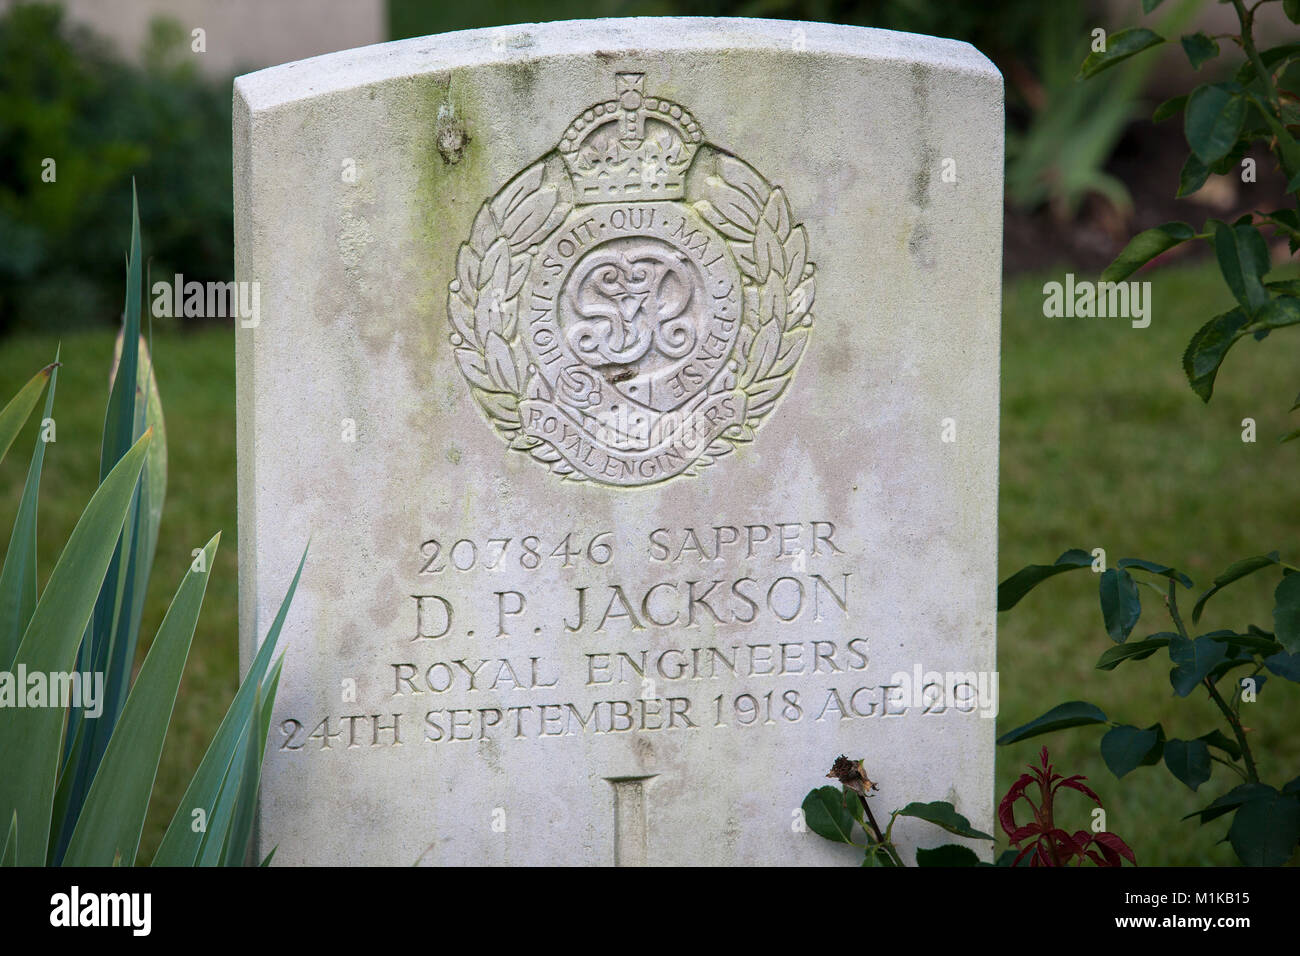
451, 136
926, 170
382, 610
920, 84
921, 245
446, 197
522, 75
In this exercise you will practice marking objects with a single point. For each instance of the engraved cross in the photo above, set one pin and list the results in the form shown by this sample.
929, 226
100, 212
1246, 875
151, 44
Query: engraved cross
631, 829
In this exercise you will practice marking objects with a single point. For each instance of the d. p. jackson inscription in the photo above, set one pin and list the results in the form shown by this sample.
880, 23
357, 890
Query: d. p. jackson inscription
724, 628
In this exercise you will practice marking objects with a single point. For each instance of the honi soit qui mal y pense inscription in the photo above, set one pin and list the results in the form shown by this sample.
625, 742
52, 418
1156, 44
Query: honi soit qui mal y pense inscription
627, 310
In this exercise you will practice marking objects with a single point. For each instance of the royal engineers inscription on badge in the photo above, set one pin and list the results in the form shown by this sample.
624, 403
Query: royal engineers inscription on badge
631, 306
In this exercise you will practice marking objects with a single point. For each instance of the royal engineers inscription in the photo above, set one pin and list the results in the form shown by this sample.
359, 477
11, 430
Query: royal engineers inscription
612, 554
623, 314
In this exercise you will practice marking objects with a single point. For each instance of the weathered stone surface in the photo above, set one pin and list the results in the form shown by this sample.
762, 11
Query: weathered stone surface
562, 324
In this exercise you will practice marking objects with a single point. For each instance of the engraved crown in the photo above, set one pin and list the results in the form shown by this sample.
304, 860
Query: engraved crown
633, 147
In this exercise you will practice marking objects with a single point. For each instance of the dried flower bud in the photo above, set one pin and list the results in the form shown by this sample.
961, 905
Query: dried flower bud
853, 774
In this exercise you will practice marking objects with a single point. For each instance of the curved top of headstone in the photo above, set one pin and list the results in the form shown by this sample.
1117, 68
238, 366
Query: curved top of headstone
347, 69
635, 490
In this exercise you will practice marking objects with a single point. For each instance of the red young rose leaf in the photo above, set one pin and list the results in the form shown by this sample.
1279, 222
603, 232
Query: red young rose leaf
1113, 842
1074, 784
1049, 845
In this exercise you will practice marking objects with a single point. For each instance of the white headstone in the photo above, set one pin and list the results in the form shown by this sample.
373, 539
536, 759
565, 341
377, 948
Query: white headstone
637, 384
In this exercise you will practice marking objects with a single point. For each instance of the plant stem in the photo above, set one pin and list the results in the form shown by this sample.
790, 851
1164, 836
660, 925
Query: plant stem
1048, 823
875, 829
1252, 774
1230, 765
1247, 18
1238, 731
1171, 603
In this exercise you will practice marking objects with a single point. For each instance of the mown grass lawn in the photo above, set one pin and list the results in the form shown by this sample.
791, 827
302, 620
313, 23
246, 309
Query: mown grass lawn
1103, 445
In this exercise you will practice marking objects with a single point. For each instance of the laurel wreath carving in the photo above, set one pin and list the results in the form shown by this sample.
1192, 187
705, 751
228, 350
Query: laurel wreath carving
772, 253
484, 301
778, 289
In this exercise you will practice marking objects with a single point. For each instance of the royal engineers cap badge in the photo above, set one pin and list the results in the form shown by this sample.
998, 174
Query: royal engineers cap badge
630, 307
